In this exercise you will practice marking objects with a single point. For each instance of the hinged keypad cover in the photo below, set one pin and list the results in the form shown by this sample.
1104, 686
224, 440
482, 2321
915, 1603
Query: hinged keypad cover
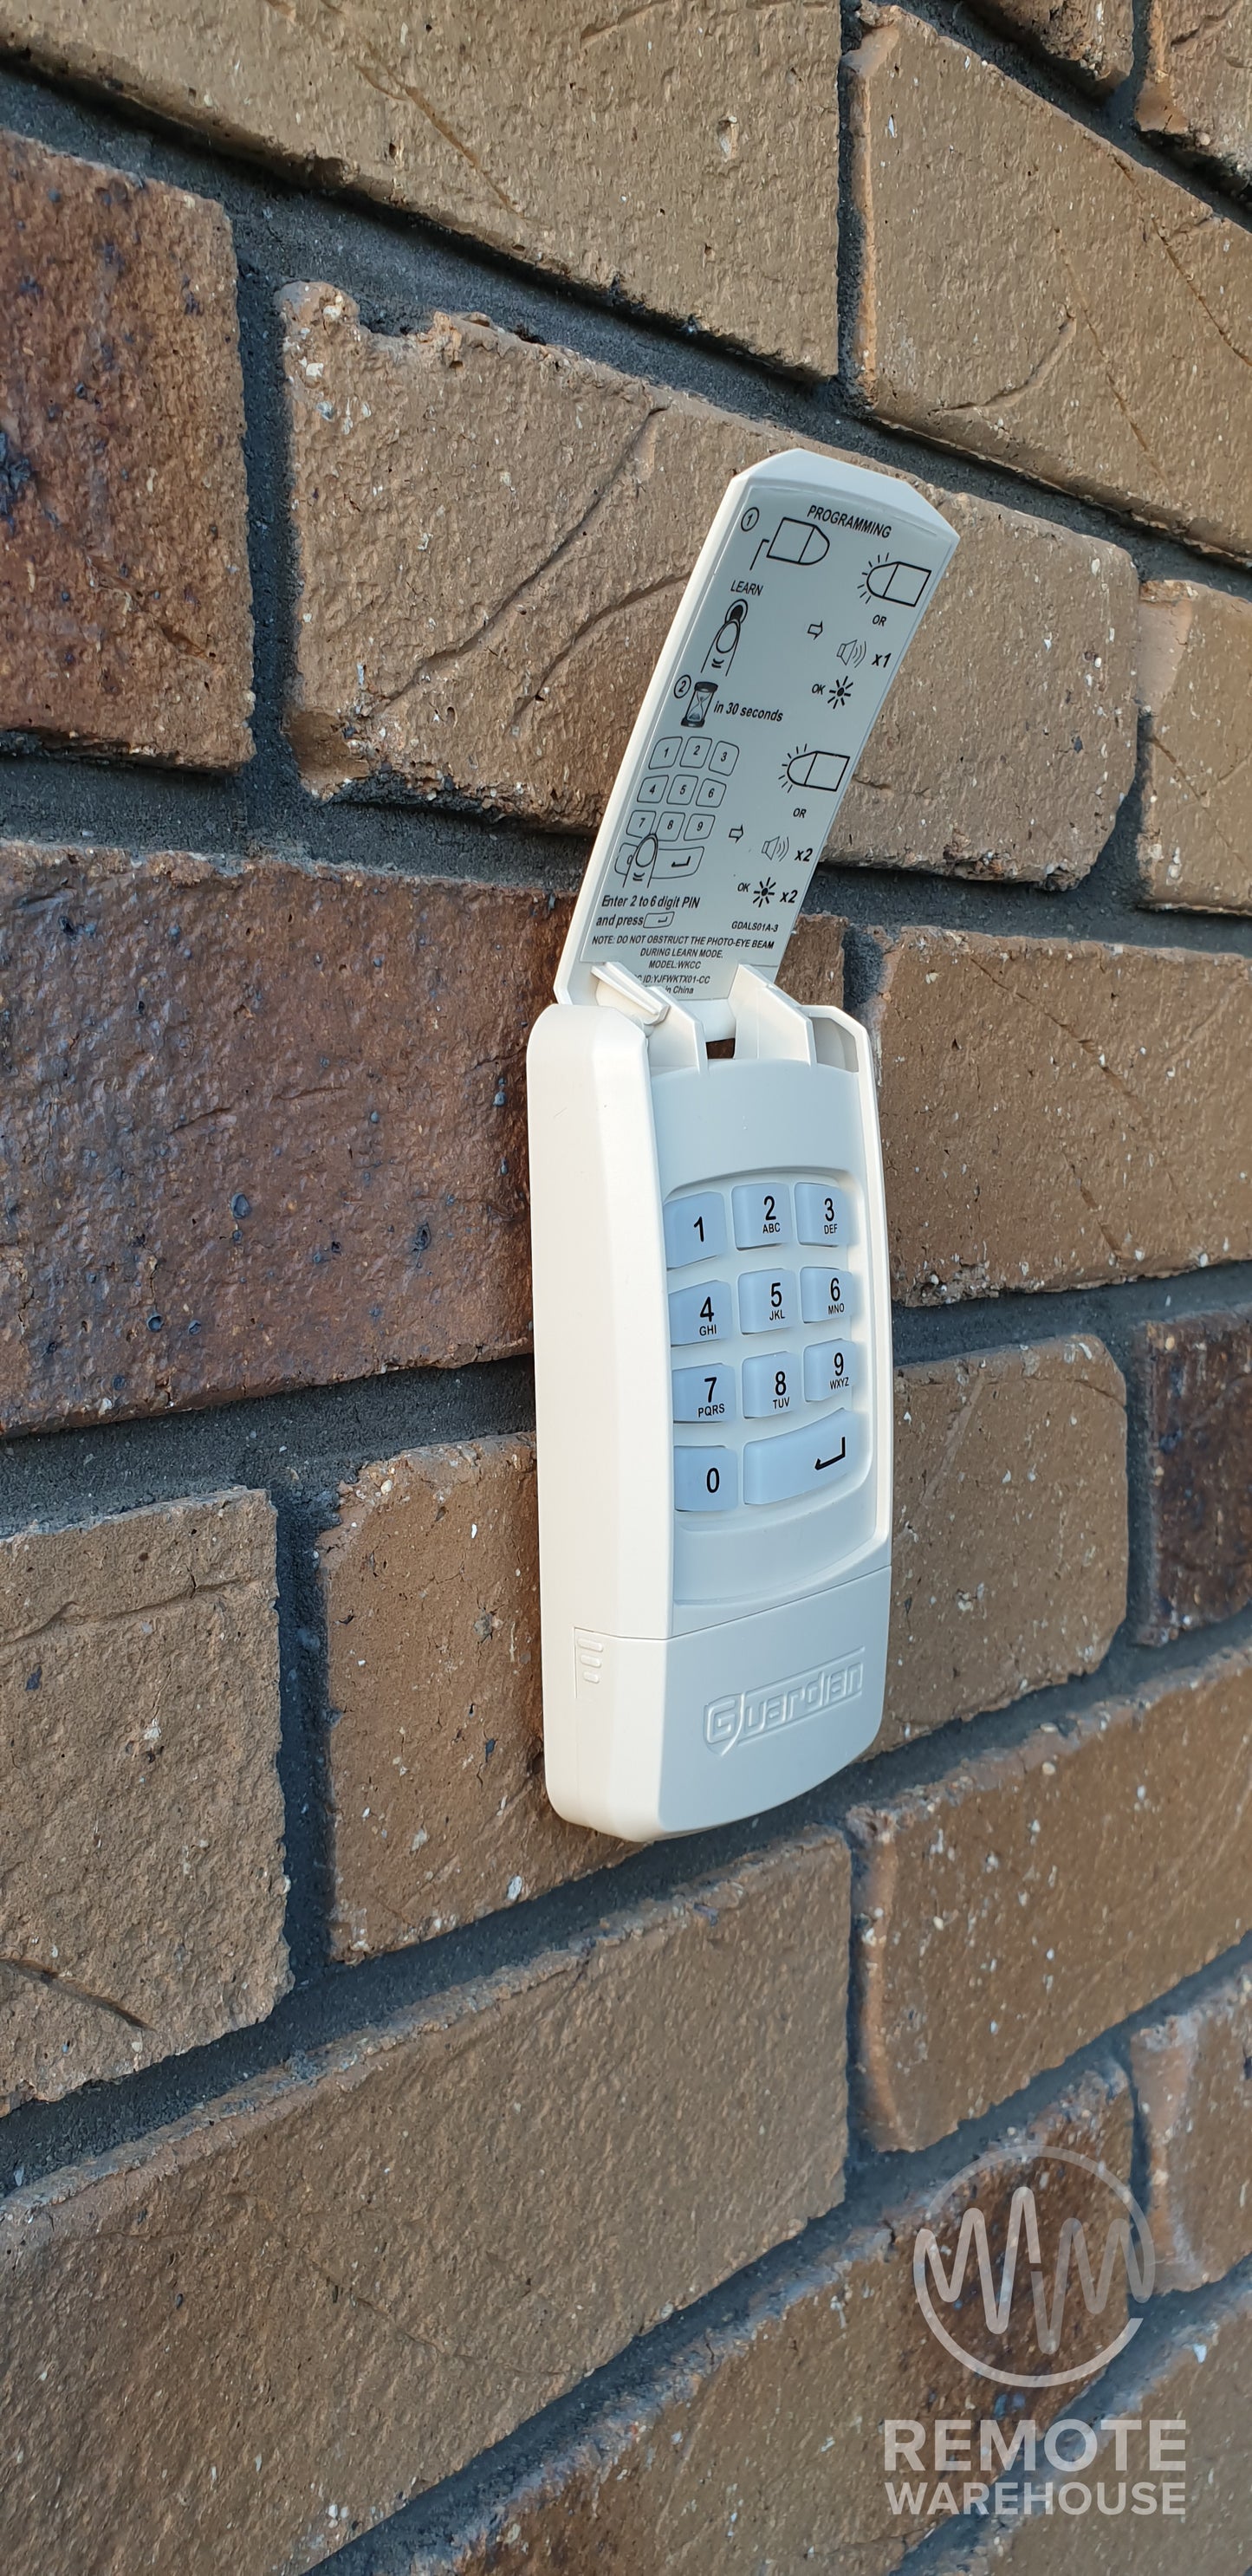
711, 1306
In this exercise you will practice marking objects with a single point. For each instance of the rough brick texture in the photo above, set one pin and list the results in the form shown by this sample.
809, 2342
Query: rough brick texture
125, 617
1193, 2077
539, 514
1194, 2376
1057, 1113
1029, 293
1195, 679
1003, 1908
265, 1126
178, 1078
140, 1815
1092, 40
687, 162
1195, 1389
1197, 84
1009, 1555
434, 1758
266, 1123
1009, 1572
367, 2267
761, 2445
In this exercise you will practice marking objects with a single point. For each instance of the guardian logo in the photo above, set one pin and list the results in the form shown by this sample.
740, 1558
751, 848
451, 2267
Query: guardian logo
744, 1717
1055, 2268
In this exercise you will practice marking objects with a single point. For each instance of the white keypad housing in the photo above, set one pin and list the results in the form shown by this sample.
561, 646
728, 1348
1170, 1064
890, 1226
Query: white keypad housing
709, 1255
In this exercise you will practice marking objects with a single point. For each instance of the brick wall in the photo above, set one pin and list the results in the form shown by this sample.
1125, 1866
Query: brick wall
391, 2173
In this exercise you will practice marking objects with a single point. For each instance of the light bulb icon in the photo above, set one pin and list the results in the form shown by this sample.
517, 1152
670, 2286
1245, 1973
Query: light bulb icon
820, 769
901, 583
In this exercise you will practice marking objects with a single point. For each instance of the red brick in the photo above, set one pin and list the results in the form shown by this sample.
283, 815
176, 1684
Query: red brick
1195, 1404
362, 2269
544, 600
1022, 1901
1058, 1113
141, 1871
265, 1126
125, 616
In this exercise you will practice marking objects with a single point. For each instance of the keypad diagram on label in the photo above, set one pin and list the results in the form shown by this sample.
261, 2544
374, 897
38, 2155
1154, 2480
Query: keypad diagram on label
723, 806
677, 799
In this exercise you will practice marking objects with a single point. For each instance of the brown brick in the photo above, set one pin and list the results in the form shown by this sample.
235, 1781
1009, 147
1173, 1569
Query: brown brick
765, 2437
1195, 678
1194, 2376
125, 607
266, 1126
1092, 40
1191, 2074
685, 162
1024, 1900
1029, 293
1195, 1381
430, 1588
1057, 1112
371, 2264
1009, 1556
434, 1758
1197, 84
534, 517
140, 1814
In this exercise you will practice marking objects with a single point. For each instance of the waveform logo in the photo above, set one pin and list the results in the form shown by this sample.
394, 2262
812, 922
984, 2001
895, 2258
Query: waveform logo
1046, 2265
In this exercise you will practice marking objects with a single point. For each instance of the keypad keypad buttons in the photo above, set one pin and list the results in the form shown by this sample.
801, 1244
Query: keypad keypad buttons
710, 791
827, 1296
823, 1214
706, 1480
695, 754
762, 1213
813, 1459
667, 826
639, 821
771, 1384
698, 827
664, 753
723, 757
702, 1313
829, 1370
651, 791
695, 1228
704, 1394
767, 1299
682, 791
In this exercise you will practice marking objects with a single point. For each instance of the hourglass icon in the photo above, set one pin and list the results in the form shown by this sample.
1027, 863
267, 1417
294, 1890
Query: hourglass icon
721, 652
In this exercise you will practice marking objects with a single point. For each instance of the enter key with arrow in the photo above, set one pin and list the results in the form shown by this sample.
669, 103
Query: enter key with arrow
817, 1458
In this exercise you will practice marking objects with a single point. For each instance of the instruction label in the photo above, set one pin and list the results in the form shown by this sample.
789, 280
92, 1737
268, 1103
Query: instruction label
712, 835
